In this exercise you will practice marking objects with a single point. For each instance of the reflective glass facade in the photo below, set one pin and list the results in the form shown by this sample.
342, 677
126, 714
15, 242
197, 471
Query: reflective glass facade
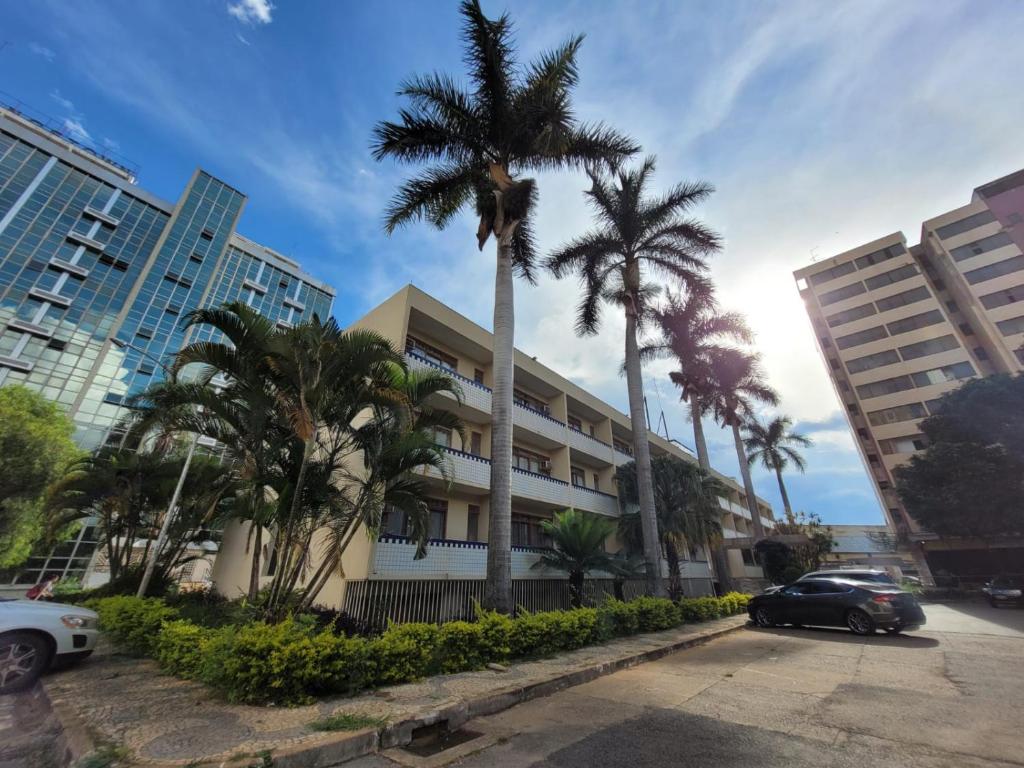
88, 257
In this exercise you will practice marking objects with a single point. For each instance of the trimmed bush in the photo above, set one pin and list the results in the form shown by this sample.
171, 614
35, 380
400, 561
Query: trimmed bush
292, 662
133, 623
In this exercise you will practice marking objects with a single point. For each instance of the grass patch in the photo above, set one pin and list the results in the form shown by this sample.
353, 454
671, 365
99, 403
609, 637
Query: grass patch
106, 756
345, 721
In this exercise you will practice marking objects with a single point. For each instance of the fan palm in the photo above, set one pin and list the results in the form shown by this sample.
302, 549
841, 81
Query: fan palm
512, 120
773, 445
685, 498
577, 547
693, 332
636, 234
736, 384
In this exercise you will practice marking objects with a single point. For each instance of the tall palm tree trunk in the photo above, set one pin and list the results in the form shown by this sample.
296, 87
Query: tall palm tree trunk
698, 435
254, 573
675, 584
498, 587
782, 490
642, 457
748, 483
716, 551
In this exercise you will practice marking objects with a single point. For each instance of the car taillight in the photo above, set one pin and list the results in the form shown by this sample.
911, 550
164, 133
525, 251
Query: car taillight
884, 598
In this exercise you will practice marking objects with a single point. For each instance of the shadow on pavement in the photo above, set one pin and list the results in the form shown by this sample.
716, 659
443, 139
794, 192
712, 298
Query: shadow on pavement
836, 635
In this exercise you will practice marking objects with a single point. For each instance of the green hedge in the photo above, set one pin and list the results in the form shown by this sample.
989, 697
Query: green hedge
292, 662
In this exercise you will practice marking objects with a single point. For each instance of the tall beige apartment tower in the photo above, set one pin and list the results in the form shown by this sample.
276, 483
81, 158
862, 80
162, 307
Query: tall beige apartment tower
900, 326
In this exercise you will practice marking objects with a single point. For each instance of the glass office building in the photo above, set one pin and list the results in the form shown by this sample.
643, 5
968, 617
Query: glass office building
97, 274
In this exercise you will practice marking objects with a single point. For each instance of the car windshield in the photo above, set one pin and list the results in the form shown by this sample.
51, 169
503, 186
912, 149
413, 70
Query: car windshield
1008, 582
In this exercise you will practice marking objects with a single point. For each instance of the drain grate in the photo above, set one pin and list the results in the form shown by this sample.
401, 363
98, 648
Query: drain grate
434, 739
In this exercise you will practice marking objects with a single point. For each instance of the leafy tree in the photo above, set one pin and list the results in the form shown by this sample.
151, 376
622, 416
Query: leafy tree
511, 121
970, 479
577, 547
686, 504
783, 563
35, 446
736, 383
772, 445
637, 235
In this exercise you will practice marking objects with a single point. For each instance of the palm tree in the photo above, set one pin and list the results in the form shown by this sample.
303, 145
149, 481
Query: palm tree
512, 120
577, 547
772, 445
685, 500
737, 382
693, 332
636, 234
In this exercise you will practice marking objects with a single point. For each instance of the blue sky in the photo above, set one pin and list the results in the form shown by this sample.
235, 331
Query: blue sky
821, 124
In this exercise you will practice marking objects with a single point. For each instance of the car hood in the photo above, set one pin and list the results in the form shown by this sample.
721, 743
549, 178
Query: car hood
42, 607
772, 590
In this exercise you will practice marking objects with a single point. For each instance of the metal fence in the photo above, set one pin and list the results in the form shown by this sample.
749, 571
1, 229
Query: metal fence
376, 602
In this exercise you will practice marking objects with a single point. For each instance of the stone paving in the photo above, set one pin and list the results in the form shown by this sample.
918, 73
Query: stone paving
163, 720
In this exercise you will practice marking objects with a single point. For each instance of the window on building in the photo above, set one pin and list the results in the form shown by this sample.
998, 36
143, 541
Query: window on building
892, 276
579, 477
1003, 297
473, 523
903, 298
592, 432
965, 225
952, 306
914, 322
1012, 326
196, 257
575, 423
852, 409
868, 362
529, 401
980, 353
57, 344
622, 446
991, 271
834, 364
846, 292
929, 347
443, 437
861, 337
430, 353
965, 329
396, 522
527, 532
173, 309
748, 556
978, 247
877, 257
826, 342
908, 444
478, 376
849, 315
145, 370
873, 459
831, 274
885, 387
863, 433
945, 373
844, 385
438, 509
206, 234
476, 443
597, 482
529, 461
896, 414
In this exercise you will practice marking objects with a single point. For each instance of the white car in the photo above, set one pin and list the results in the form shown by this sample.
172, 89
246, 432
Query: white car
35, 634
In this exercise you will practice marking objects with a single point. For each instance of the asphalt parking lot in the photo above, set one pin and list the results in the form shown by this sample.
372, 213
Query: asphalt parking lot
949, 695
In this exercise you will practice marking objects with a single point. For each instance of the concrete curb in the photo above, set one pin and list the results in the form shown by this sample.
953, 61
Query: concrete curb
335, 749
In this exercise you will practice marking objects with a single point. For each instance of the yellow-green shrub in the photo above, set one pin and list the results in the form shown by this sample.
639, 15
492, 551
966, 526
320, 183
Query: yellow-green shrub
656, 613
181, 647
133, 623
406, 652
461, 646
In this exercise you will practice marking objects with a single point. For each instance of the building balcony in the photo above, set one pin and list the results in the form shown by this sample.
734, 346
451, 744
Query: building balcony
592, 500
537, 487
393, 558
53, 298
621, 457
88, 242
591, 446
539, 423
67, 266
465, 469
252, 285
474, 394
31, 328
98, 215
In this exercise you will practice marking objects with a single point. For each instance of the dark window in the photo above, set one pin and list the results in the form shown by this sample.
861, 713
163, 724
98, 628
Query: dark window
980, 353
173, 309
530, 461
914, 322
475, 441
431, 353
861, 337
144, 333
872, 459
929, 347
145, 370
1012, 326
965, 225
863, 433
903, 298
1000, 268
892, 276
574, 423
529, 401
879, 256
57, 344
877, 360
1003, 297
844, 385
748, 556
578, 476
896, 414
597, 482
834, 364
206, 234
113, 399
965, 329
196, 257
979, 247
473, 523
849, 315
35, 265
853, 409
478, 376
831, 274
839, 294
110, 261
438, 509
885, 387
952, 306
945, 373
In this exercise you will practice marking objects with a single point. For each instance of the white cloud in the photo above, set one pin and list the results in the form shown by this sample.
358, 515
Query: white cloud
74, 128
252, 11
65, 104
110, 144
42, 50
241, 39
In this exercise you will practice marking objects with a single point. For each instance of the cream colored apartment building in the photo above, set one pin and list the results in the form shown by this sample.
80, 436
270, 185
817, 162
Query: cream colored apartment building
566, 447
898, 326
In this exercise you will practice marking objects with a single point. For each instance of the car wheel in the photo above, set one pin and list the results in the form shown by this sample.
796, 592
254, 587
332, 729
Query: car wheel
23, 658
993, 603
763, 618
860, 623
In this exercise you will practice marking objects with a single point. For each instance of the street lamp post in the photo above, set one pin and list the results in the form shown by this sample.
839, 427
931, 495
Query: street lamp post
165, 526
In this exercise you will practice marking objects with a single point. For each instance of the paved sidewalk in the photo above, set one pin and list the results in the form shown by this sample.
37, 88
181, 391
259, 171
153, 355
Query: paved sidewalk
161, 720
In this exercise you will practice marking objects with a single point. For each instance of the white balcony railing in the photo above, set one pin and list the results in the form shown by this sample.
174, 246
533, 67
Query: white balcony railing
581, 441
530, 485
539, 423
474, 394
393, 558
594, 501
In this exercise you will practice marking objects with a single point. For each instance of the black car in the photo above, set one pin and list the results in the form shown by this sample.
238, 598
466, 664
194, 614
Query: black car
834, 602
1005, 590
